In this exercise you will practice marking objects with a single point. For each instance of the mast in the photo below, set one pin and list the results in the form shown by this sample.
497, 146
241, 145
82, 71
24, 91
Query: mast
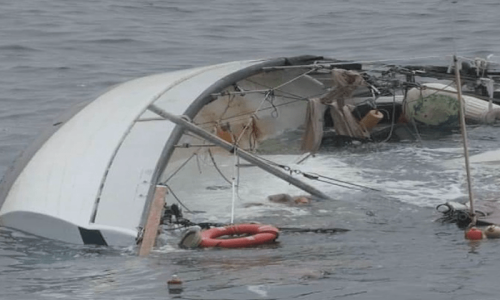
463, 130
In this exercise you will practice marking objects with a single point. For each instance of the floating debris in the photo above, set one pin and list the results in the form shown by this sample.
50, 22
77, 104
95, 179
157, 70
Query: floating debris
174, 285
474, 234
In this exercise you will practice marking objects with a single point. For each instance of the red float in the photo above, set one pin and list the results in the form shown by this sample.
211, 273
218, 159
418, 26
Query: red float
259, 234
474, 234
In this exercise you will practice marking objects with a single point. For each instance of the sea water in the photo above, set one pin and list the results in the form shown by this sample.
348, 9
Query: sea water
56, 54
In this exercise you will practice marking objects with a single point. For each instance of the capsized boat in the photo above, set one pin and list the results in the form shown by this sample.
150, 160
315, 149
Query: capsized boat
92, 176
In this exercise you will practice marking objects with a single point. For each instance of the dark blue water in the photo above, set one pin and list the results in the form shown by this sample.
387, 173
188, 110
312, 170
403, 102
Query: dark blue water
55, 54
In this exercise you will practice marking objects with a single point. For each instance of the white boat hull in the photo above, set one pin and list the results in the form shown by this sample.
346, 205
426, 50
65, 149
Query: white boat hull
91, 181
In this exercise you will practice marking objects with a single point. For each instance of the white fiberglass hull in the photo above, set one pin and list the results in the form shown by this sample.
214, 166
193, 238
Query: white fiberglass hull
91, 181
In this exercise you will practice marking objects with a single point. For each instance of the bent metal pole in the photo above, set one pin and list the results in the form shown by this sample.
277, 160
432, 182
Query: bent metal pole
464, 140
241, 153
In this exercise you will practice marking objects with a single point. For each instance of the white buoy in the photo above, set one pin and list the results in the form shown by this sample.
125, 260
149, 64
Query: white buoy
492, 232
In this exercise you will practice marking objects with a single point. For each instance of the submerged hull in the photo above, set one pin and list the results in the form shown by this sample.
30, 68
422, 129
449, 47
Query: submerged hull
91, 177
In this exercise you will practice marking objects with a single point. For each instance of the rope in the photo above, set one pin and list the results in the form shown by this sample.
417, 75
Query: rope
251, 119
393, 117
270, 99
229, 101
416, 130
344, 84
176, 198
217, 168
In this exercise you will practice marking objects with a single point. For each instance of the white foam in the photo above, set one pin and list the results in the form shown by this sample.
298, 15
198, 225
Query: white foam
260, 290
409, 174
487, 157
254, 188
167, 249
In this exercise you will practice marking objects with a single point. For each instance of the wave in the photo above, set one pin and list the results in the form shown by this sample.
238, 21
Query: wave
18, 48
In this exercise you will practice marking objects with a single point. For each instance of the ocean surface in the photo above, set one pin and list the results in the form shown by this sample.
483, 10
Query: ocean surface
56, 54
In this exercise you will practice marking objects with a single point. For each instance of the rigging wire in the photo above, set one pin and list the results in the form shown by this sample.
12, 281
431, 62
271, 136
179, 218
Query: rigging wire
268, 97
198, 162
343, 63
297, 97
248, 113
333, 183
180, 167
276, 88
315, 176
217, 168
293, 79
289, 94
176, 198
234, 187
308, 175
229, 101
251, 119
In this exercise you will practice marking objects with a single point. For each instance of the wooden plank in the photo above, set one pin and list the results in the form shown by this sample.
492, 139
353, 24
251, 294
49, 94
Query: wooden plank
153, 221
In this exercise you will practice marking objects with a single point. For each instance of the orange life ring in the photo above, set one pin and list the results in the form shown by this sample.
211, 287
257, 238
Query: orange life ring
260, 234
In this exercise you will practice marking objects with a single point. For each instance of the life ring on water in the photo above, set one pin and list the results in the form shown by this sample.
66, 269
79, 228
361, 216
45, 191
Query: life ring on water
259, 234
